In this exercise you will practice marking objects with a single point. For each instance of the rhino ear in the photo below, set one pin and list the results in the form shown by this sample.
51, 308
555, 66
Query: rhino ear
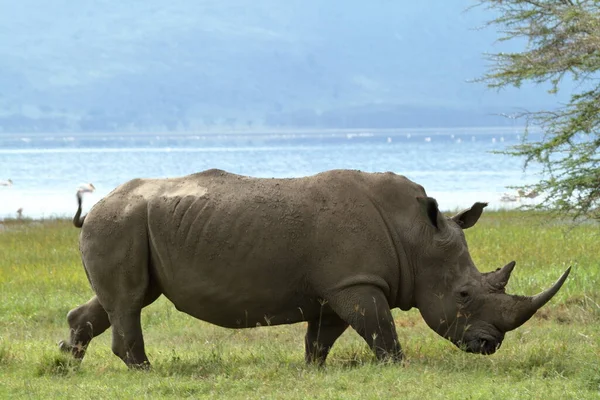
467, 218
429, 207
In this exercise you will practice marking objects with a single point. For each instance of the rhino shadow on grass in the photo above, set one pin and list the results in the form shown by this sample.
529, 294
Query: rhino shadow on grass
337, 249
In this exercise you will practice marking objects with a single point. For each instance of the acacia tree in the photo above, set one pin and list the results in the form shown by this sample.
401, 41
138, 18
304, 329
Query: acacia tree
563, 41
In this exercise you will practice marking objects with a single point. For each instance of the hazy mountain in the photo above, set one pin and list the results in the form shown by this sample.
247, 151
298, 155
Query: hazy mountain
184, 64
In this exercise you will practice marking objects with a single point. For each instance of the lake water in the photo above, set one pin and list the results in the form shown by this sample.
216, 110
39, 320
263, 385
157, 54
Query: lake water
456, 166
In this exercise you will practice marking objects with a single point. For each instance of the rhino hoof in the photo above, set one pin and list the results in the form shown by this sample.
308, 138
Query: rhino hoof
64, 346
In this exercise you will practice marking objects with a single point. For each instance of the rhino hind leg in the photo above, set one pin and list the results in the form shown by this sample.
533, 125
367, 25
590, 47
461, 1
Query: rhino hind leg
86, 322
127, 338
366, 309
90, 320
320, 336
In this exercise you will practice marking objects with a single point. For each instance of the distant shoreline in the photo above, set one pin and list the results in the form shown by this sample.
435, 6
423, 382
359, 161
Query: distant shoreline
286, 131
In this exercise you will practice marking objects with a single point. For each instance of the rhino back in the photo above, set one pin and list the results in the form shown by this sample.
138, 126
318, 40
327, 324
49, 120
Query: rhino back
236, 244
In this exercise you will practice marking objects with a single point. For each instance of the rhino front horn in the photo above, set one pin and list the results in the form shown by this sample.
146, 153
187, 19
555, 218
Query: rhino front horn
539, 300
523, 307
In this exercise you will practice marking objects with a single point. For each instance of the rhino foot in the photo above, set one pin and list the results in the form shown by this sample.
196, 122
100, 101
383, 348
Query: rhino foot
78, 351
144, 366
64, 346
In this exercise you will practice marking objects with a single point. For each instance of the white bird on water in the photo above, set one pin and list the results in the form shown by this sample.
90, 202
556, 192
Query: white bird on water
508, 198
532, 194
7, 182
86, 188
521, 194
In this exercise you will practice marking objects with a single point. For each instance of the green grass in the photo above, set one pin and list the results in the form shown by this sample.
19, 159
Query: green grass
556, 355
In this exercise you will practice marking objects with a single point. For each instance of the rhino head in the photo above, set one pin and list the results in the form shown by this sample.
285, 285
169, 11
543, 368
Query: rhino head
467, 307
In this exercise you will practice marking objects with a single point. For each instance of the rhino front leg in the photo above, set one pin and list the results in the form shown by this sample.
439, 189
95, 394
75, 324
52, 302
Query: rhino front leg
86, 322
320, 336
366, 309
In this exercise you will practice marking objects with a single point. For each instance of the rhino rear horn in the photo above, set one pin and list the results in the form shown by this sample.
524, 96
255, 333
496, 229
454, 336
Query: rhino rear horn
522, 308
500, 277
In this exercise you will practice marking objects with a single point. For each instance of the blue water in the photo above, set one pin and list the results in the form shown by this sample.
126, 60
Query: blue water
455, 166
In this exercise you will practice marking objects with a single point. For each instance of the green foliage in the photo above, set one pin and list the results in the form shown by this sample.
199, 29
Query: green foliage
554, 355
563, 40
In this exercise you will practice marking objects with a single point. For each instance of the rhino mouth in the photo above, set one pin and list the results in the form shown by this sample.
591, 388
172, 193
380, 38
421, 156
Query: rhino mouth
485, 345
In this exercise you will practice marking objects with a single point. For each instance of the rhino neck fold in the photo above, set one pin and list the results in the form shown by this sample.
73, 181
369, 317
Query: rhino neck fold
404, 297
406, 286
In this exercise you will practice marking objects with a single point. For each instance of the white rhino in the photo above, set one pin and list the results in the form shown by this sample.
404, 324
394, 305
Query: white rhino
335, 249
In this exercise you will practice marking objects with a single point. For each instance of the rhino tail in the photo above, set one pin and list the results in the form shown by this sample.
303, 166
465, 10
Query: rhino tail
78, 219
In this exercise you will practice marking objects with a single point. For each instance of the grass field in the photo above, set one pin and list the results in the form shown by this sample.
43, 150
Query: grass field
556, 355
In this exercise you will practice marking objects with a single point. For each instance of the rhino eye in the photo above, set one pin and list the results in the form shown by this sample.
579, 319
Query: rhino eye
463, 294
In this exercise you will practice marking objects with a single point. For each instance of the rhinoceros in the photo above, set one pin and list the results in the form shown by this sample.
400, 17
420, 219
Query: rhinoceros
340, 248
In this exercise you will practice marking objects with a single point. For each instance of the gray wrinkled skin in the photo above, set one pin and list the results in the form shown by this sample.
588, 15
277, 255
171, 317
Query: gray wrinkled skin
335, 249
